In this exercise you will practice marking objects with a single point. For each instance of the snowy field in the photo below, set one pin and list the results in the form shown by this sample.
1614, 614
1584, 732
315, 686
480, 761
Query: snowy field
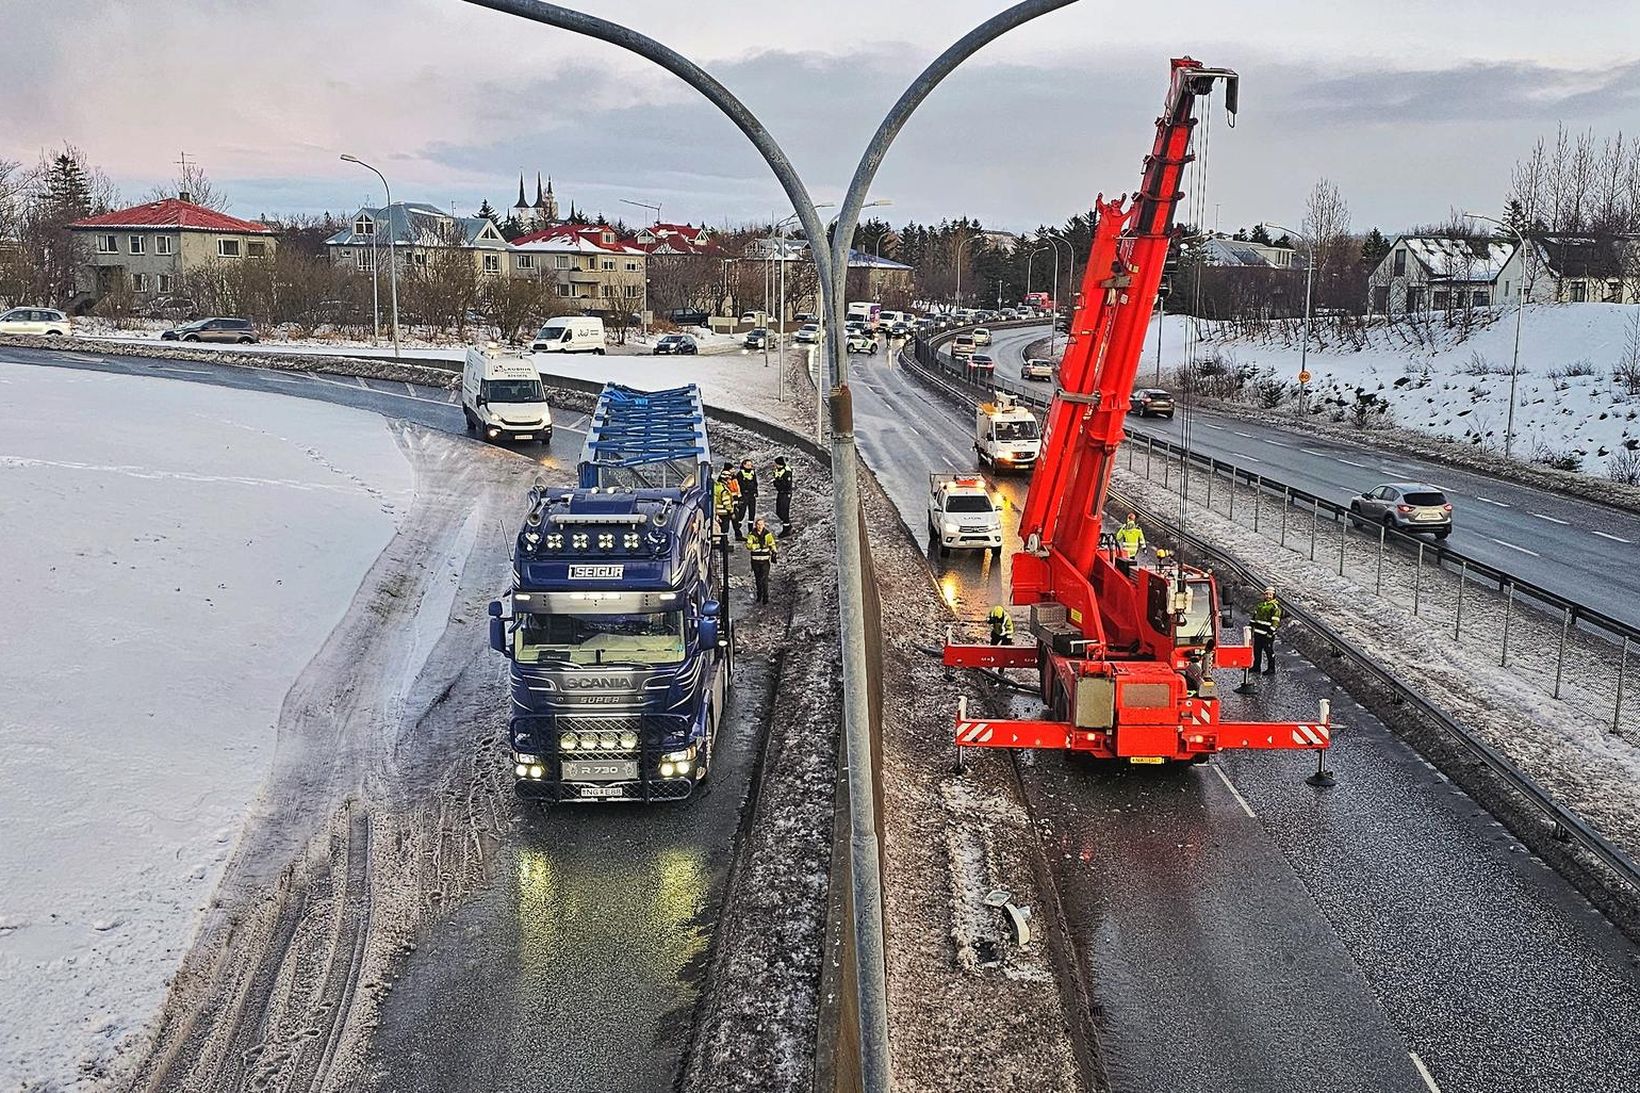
173, 555
736, 381
1435, 381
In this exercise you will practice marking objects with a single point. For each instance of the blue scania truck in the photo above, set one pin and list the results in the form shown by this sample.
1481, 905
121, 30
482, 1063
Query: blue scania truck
619, 650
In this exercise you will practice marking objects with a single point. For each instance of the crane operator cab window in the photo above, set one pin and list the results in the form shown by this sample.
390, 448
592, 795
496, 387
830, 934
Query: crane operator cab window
1187, 615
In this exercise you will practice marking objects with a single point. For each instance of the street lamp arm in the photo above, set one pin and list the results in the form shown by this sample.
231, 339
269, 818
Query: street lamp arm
895, 120
690, 73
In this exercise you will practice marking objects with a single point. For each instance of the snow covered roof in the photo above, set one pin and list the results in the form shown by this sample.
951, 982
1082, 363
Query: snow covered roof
797, 250
1586, 256
177, 214
1477, 260
1234, 252
416, 223
573, 239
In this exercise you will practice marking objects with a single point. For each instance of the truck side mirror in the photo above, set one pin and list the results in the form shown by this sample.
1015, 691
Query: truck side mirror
498, 628
1224, 615
711, 609
708, 633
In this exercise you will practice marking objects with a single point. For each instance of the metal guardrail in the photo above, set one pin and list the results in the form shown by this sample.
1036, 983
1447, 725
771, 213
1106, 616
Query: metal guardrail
1567, 822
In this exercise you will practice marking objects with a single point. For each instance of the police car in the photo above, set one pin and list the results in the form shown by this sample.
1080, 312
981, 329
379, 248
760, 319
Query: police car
962, 515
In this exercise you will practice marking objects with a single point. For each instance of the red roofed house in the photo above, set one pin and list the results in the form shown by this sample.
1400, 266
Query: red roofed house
675, 239
148, 249
587, 263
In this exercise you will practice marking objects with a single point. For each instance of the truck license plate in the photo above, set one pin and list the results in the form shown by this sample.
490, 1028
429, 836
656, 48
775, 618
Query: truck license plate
525, 436
601, 791
600, 770
1156, 760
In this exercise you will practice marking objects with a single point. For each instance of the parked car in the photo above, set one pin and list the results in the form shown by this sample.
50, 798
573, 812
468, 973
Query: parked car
1036, 368
238, 331
756, 338
1405, 506
42, 321
687, 316
807, 334
183, 308
1151, 402
676, 344
983, 363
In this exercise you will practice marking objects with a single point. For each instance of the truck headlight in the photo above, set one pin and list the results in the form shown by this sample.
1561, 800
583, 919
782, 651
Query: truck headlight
629, 740
950, 529
537, 771
569, 741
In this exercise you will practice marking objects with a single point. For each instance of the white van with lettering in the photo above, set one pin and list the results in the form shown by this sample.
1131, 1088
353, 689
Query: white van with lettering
570, 334
502, 397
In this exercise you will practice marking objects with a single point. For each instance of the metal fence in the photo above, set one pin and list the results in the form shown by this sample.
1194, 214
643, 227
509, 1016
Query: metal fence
1570, 650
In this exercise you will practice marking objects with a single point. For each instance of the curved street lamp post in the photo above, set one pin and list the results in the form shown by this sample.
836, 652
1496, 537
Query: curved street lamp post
1520, 309
392, 246
864, 863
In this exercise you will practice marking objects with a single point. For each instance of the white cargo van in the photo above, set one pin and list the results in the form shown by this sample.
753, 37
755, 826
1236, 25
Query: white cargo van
570, 334
502, 397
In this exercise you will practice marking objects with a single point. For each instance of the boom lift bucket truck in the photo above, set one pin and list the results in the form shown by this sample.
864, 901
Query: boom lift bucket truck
1121, 649
619, 651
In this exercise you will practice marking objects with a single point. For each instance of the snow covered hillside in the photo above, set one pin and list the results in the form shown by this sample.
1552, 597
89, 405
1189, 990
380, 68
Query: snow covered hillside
1570, 408
171, 556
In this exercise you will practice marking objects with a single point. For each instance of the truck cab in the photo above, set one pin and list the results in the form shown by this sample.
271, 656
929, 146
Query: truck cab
962, 514
1006, 435
502, 398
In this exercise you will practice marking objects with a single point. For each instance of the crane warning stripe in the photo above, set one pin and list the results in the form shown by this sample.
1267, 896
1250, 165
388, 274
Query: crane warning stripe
1315, 737
974, 732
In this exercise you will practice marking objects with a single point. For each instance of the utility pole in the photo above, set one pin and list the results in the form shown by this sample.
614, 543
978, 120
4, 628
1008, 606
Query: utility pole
643, 308
1304, 347
864, 861
1520, 309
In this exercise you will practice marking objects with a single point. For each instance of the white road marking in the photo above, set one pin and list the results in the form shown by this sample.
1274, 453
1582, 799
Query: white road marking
1551, 519
1277, 443
1350, 462
182, 371
1403, 472
1245, 436
1512, 546
1489, 501
1234, 792
1312, 451
1613, 538
1423, 1072
913, 428
950, 464
1209, 425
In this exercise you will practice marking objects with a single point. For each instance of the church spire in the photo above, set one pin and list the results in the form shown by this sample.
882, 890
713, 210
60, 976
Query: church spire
520, 204
540, 198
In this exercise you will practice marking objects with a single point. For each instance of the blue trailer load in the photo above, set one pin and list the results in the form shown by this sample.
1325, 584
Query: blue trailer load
618, 647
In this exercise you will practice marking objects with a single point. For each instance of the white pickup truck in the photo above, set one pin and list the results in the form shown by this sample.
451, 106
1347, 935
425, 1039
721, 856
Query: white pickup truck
962, 515
1006, 436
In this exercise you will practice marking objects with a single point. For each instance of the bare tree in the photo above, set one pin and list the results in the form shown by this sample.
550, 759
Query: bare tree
1339, 280
513, 305
192, 180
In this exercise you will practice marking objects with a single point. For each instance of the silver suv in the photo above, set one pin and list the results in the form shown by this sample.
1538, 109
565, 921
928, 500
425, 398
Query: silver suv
1404, 506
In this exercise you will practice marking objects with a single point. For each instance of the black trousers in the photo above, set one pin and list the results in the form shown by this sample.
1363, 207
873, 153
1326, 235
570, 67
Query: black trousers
749, 500
1264, 651
760, 574
783, 506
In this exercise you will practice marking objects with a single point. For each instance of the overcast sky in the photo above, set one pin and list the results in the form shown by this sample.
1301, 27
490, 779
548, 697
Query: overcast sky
1411, 107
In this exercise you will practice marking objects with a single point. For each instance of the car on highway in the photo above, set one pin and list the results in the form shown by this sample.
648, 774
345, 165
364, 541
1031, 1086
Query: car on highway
1151, 402
675, 344
899, 330
861, 342
1036, 368
756, 338
807, 334
238, 331
962, 346
982, 336
41, 321
983, 365
1404, 506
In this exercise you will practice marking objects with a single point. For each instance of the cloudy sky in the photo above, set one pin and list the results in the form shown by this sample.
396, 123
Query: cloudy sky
1411, 107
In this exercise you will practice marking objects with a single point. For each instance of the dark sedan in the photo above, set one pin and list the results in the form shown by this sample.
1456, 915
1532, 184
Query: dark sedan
676, 343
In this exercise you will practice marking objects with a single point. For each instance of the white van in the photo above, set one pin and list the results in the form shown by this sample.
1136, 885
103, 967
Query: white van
502, 397
570, 334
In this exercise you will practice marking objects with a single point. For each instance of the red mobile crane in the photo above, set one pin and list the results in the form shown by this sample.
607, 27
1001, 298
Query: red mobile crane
1117, 644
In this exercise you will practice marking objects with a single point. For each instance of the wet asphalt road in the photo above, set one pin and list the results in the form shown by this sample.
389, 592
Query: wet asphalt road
578, 967
1323, 941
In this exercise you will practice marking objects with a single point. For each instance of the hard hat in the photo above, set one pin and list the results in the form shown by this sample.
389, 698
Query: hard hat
1270, 591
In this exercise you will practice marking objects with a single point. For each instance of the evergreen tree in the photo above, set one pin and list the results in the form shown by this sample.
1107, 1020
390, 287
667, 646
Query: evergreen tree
1373, 248
1259, 235
67, 190
511, 229
487, 212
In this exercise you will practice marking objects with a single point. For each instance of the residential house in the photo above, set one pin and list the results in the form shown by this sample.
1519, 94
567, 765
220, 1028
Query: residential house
1574, 269
871, 276
1425, 272
675, 239
414, 231
589, 265
1224, 250
147, 249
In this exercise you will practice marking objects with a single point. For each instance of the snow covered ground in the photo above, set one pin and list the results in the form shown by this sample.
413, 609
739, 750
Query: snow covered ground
173, 555
1434, 380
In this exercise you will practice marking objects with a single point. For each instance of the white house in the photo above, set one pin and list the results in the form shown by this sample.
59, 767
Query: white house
1428, 272
1574, 269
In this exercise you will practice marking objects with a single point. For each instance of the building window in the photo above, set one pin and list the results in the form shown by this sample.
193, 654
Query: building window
1380, 299
256, 250
1400, 266
108, 244
1480, 298
524, 261
1415, 298
366, 260
609, 264
421, 259
562, 261
164, 280
1579, 292
163, 244
631, 292
567, 291
227, 248
631, 266
364, 226
137, 244
1614, 292
609, 237
1443, 299
608, 291
139, 282
492, 263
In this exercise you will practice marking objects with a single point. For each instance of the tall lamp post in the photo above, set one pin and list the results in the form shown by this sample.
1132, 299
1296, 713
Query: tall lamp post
1053, 316
865, 870
1520, 309
392, 246
960, 245
643, 308
1309, 281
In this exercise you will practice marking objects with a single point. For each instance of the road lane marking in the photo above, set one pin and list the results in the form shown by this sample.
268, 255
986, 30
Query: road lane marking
1551, 519
1614, 538
1512, 546
1245, 436
1403, 471
1277, 443
1312, 451
1423, 1072
914, 429
182, 371
1234, 792
1220, 428
1489, 501
1350, 462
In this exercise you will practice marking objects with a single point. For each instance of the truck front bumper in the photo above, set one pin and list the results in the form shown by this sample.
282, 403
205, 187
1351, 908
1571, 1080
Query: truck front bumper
568, 793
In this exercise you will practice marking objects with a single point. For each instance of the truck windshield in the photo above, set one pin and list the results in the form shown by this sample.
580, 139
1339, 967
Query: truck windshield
1016, 430
513, 391
568, 638
1197, 624
968, 502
